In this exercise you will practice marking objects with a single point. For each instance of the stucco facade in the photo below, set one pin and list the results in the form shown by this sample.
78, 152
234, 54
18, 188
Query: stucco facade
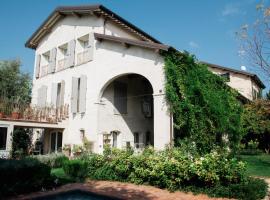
243, 82
110, 61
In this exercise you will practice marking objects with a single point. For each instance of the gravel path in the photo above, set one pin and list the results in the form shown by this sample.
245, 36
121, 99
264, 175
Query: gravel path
125, 191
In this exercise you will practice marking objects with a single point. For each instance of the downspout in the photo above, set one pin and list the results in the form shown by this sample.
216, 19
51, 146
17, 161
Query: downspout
104, 25
171, 129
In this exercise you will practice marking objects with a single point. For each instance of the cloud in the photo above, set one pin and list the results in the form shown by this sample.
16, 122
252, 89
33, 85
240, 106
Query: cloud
231, 10
193, 45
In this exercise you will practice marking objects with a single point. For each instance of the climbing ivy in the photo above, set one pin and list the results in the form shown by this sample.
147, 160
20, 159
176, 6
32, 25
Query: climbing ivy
206, 111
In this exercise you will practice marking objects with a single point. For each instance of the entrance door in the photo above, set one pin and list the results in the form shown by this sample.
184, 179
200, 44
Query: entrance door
56, 141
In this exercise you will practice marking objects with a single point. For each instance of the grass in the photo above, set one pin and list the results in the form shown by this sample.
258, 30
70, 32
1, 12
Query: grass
257, 165
61, 176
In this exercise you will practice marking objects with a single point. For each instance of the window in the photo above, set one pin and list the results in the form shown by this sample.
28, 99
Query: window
136, 137
114, 135
120, 97
85, 49
58, 96
63, 57
255, 94
226, 76
45, 64
56, 141
3, 138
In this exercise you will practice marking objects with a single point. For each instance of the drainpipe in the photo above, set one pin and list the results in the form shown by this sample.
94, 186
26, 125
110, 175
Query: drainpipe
171, 129
104, 25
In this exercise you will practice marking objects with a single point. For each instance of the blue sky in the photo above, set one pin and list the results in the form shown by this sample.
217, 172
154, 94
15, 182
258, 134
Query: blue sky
205, 28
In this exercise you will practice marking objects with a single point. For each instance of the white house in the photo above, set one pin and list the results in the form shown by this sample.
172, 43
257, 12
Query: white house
101, 77
108, 71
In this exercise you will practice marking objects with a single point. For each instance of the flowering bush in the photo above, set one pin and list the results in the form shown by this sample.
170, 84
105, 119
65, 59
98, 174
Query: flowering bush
170, 168
214, 173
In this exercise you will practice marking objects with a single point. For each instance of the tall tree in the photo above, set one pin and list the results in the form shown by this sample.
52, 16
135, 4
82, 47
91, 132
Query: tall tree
15, 85
255, 40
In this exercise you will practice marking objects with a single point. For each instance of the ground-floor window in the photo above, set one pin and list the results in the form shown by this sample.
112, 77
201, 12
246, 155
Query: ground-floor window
3, 138
114, 135
56, 141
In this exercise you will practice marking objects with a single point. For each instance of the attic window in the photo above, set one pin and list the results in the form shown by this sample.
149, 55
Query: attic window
84, 49
45, 63
62, 57
84, 41
226, 76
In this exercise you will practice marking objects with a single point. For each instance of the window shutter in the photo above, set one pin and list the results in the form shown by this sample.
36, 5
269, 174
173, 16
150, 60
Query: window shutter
42, 96
74, 95
71, 53
52, 64
82, 98
62, 93
54, 94
37, 65
90, 48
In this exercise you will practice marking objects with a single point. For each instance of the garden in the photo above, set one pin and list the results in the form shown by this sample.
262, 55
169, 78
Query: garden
221, 147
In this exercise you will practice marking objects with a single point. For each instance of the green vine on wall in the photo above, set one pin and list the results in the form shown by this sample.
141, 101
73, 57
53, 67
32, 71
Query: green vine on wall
206, 111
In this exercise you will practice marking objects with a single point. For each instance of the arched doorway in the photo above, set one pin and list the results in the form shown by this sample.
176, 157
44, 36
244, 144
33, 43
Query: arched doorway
125, 113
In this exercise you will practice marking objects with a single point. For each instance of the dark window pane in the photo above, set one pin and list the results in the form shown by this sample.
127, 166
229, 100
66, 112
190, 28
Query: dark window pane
114, 134
3, 138
120, 97
53, 141
226, 76
59, 141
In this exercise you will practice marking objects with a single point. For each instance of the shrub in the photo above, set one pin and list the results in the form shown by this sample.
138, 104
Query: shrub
54, 160
21, 142
93, 162
251, 189
105, 173
215, 173
76, 169
20, 176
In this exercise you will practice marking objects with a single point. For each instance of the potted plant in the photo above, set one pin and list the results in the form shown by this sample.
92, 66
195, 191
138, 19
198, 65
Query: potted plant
15, 113
67, 149
1, 110
77, 150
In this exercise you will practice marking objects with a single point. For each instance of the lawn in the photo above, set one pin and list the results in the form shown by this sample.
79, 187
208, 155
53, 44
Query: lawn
61, 176
257, 165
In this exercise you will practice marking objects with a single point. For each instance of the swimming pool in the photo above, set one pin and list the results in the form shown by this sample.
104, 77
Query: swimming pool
75, 195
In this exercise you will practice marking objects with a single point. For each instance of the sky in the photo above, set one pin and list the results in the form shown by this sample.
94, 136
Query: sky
204, 28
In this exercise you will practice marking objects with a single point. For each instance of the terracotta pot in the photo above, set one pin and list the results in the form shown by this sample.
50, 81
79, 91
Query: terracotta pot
15, 115
1, 115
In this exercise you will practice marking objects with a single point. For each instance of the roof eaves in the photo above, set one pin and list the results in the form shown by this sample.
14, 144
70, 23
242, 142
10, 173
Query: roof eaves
61, 11
254, 76
128, 42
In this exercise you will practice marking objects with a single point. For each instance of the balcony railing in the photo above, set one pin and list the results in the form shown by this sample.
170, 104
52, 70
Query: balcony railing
82, 57
62, 64
44, 70
34, 113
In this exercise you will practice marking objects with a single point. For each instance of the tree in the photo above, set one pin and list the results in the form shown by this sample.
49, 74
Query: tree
15, 85
256, 123
255, 40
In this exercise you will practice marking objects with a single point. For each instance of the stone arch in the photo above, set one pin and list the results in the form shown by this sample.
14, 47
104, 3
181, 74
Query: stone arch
113, 78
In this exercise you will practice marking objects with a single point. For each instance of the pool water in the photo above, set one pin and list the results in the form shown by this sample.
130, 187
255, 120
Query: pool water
75, 195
